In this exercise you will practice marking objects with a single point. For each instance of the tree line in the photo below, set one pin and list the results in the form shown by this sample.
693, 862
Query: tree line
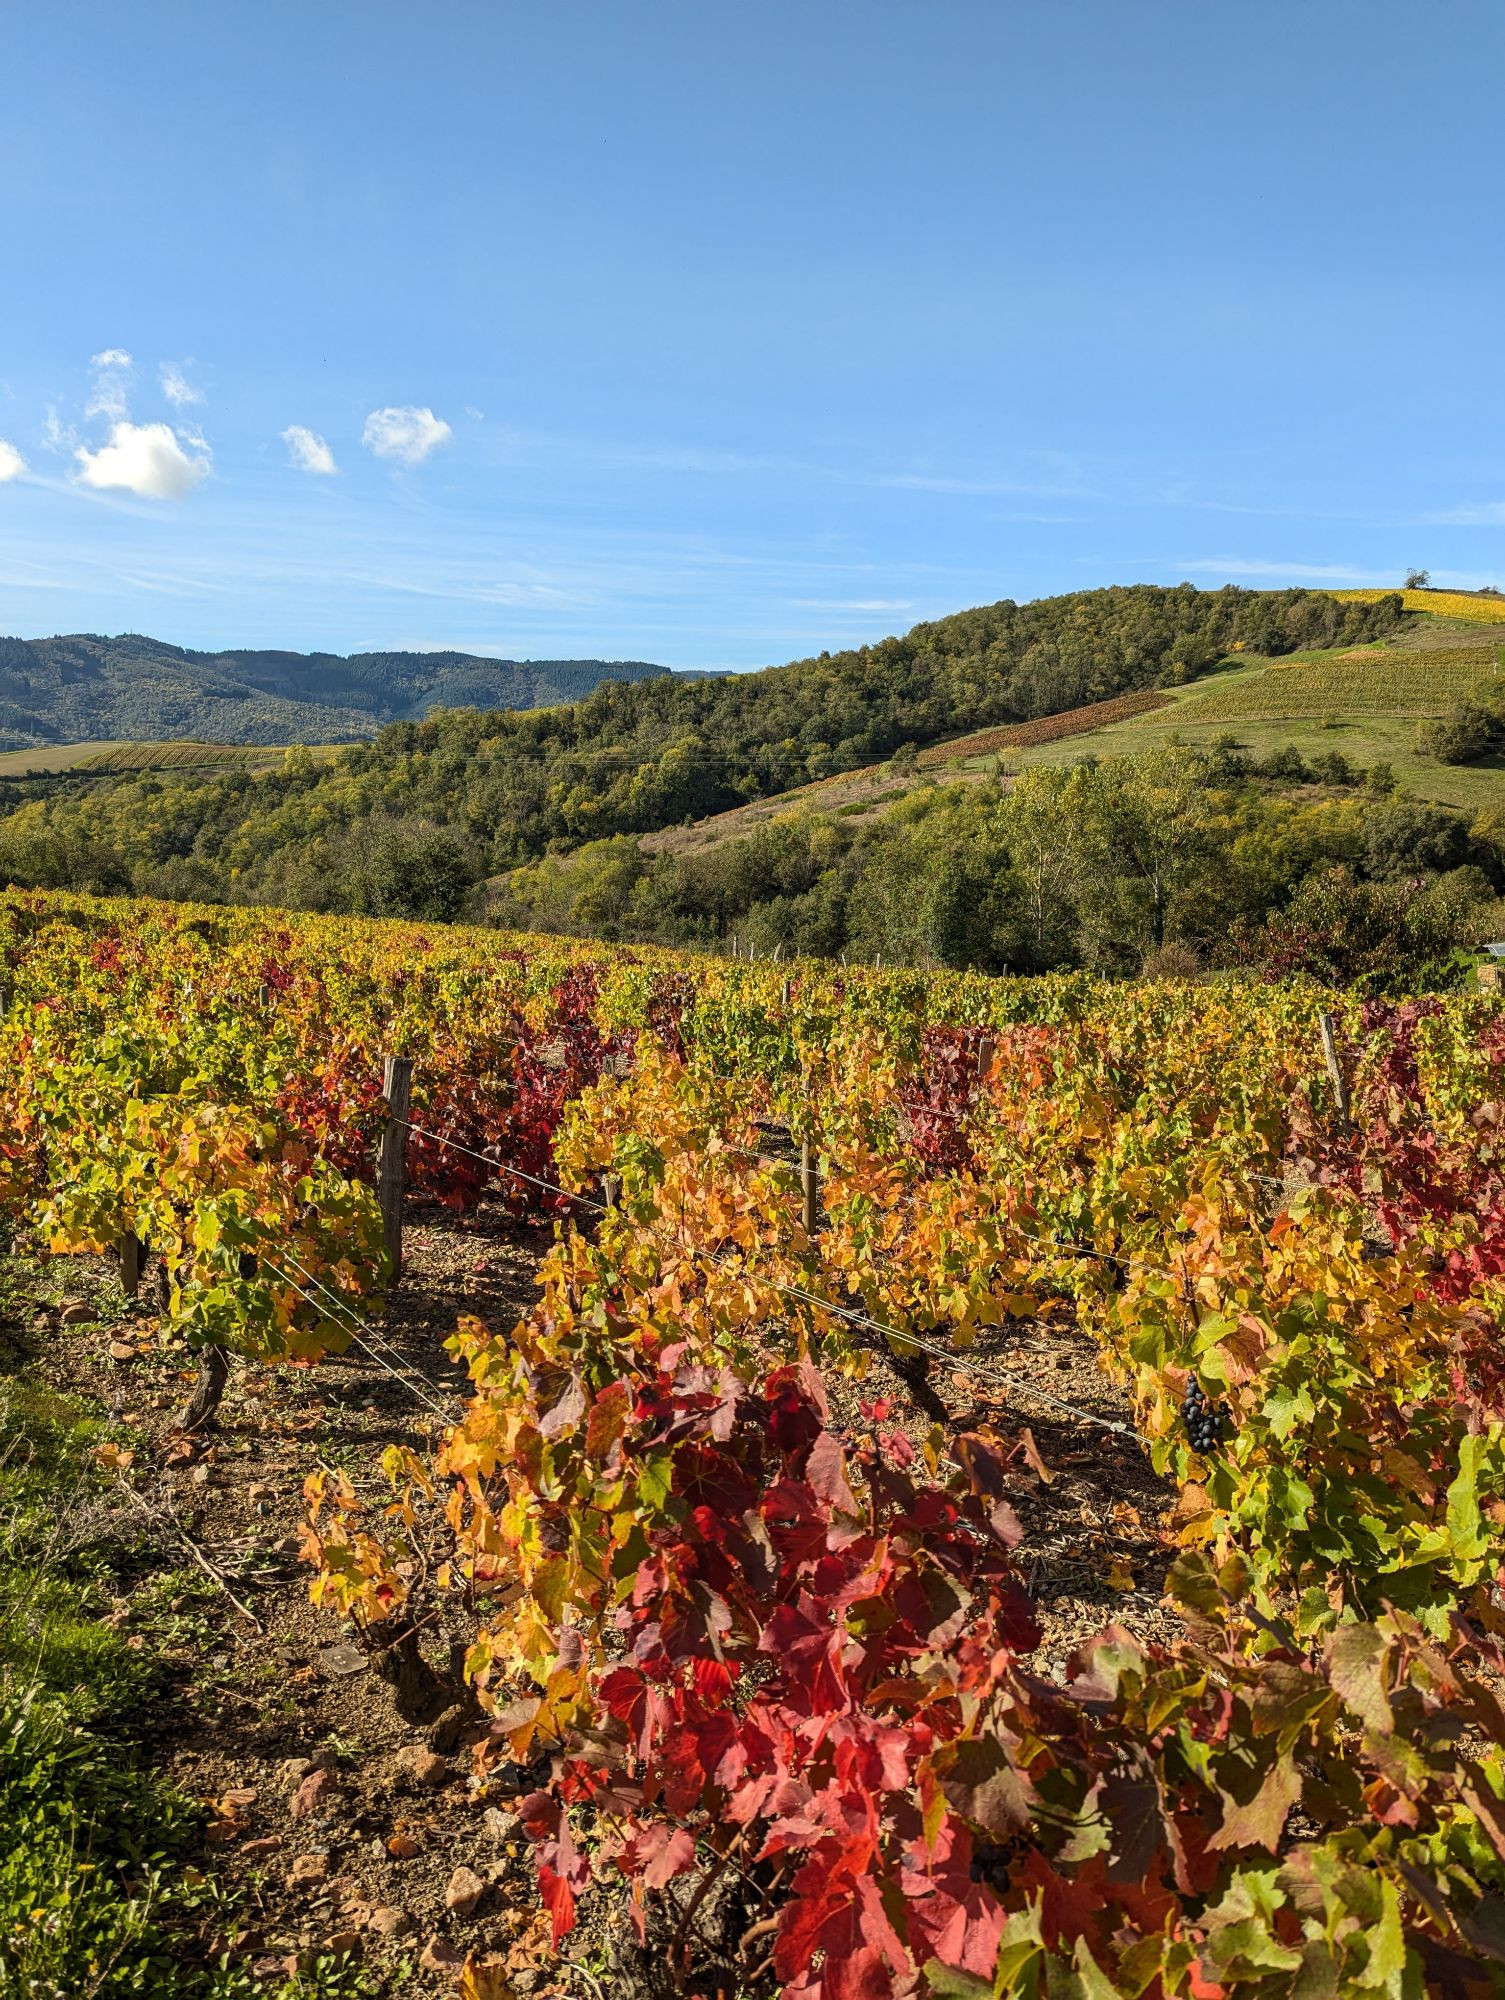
476, 792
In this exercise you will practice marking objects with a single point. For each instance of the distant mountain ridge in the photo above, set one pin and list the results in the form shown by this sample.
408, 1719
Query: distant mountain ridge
82, 686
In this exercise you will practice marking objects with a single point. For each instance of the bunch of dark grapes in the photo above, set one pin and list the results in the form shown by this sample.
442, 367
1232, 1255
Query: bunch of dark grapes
1205, 1422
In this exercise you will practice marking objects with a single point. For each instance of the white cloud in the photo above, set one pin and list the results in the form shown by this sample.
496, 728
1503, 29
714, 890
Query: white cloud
855, 603
56, 435
147, 459
1490, 514
12, 464
1247, 566
406, 434
112, 369
176, 386
307, 450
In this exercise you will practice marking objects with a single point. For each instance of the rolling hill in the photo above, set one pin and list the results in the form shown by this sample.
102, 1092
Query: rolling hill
430, 807
87, 688
1362, 702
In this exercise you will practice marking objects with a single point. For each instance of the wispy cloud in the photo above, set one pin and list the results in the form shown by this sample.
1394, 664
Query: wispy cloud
1259, 566
853, 603
112, 373
1487, 514
56, 435
176, 386
307, 450
12, 464
407, 434
146, 459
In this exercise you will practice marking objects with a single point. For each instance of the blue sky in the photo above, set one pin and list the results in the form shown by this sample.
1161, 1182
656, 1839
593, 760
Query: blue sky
717, 334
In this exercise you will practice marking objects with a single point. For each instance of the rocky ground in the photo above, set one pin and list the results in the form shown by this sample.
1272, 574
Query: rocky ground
336, 1827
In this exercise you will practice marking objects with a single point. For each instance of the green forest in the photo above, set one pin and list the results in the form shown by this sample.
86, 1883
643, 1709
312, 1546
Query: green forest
82, 686
533, 819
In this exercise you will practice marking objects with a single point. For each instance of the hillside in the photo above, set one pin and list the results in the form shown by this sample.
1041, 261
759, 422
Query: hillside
1363, 704
69, 689
469, 792
1360, 703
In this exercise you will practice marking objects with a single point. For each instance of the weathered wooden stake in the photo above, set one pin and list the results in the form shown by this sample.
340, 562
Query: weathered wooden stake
397, 1088
130, 1263
785, 991
1334, 1067
611, 1190
263, 995
810, 1182
986, 1049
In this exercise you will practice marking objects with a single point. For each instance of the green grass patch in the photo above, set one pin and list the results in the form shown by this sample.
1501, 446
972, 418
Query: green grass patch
99, 1894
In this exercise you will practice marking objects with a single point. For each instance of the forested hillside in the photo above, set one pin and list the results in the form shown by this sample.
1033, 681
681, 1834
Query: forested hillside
470, 792
79, 687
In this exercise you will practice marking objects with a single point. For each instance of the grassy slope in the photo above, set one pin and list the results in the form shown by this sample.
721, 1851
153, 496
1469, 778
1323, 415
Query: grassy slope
50, 757
1364, 702
104, 759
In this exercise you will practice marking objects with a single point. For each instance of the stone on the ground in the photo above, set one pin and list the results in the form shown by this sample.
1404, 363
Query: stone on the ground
314, 1789
439, 1955
465, 1890
419, 1765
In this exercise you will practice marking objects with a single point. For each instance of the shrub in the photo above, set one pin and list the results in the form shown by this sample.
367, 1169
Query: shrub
1466, 733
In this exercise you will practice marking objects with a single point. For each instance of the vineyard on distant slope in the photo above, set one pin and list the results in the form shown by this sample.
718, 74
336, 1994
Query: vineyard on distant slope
1045, 729
1358, 683
1465, 604
762, 1642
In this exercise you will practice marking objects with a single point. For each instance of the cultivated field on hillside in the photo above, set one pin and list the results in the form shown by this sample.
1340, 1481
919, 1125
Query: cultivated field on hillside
1464, 604
995, 1473
98, 760
49, 758
1347, 684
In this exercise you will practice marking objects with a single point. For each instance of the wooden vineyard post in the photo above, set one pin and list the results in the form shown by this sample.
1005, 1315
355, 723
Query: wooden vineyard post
1335, 1068
130, 1263
611, 1190
810, 1184
397, 1088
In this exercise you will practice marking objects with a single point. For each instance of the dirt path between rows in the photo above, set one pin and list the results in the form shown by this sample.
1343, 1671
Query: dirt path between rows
349, 1829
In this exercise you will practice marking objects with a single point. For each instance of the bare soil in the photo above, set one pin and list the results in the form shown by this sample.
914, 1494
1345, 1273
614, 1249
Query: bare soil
248, 1718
